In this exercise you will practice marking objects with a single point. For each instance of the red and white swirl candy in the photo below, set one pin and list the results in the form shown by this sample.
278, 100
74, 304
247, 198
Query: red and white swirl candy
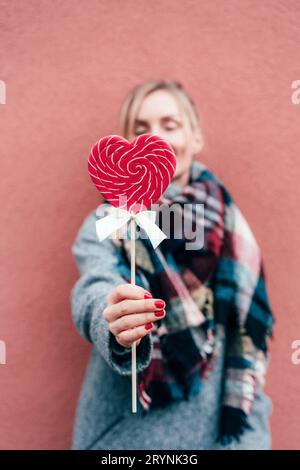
132, 175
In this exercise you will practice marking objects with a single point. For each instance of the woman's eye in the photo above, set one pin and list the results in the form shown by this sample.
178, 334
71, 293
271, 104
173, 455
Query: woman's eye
139, 131
171, 126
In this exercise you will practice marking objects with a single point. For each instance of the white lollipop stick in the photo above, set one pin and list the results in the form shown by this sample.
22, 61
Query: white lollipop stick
133, 347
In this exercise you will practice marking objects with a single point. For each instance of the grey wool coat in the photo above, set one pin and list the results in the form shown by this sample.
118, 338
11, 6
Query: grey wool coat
103, 416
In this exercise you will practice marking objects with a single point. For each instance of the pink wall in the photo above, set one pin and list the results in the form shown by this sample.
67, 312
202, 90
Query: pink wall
67, 66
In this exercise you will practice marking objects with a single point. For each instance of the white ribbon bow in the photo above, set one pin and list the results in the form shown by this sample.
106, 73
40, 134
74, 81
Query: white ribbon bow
119, 217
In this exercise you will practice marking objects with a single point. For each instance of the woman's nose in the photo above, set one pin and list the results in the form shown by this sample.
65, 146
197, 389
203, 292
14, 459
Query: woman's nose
160, 133
156, 131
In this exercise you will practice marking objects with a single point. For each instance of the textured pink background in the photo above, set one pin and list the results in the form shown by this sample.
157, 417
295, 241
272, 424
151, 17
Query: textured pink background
67, 67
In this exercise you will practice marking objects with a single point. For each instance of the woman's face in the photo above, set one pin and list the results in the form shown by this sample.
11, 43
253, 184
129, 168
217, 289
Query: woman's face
159, 114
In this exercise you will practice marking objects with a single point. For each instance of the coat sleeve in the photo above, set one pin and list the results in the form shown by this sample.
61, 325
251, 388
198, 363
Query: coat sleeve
100, 272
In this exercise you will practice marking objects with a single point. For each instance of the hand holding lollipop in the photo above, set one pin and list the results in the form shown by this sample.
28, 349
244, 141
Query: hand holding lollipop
132, 177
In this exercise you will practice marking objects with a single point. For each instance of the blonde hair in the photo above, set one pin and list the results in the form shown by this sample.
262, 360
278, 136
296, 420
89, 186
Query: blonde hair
133, 101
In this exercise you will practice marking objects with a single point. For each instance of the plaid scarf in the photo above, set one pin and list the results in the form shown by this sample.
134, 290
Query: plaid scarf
218, 289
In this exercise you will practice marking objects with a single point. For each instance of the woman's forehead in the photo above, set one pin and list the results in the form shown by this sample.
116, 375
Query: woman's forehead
158, 104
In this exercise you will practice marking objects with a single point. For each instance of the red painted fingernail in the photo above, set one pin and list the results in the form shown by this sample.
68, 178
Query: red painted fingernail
159, 304
148, 326
148, 296
160, 313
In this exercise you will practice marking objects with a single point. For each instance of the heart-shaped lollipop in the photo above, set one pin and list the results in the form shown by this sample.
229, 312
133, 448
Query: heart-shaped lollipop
133, 175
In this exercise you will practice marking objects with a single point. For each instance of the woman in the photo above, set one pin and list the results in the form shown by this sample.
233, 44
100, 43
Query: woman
200, 317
